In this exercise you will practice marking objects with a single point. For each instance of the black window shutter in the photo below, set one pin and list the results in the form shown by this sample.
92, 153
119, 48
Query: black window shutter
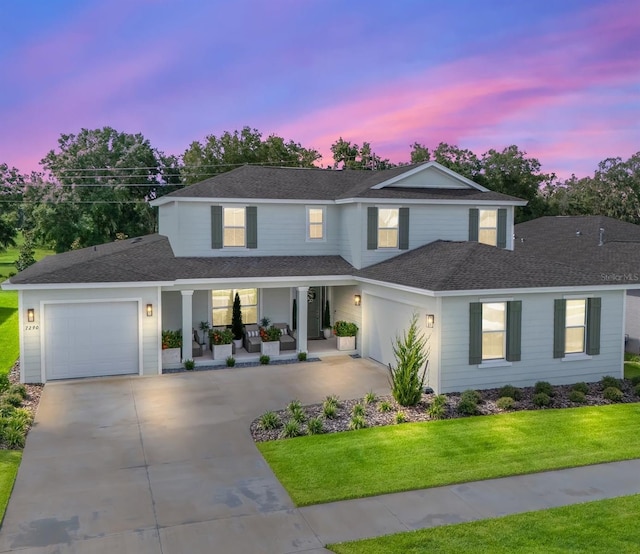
475, 333
403, 229
594, 310
251, 215
514, 330
473, 225
372, 228
216, 227
502, 228
559, 327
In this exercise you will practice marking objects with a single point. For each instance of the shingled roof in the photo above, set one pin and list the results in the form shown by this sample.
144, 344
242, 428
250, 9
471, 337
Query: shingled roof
292, 183
151, 259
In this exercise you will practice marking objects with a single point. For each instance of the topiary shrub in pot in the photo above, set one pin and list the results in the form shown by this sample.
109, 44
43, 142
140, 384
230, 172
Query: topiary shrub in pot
346, 332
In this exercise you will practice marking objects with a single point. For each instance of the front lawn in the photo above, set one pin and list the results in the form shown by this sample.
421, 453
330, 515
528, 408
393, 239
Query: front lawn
9, 345
9, 463
380, 460
631, 369
594, 527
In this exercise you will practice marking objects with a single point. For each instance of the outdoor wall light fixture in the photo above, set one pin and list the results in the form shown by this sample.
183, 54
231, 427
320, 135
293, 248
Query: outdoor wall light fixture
149, 310
31, 315
431, 319
357, 299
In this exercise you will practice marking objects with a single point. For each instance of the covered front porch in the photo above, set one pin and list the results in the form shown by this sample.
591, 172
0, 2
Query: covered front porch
300, 308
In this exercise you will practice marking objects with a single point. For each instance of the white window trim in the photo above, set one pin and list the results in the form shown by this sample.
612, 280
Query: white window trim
224, 246
503, 360
495, 363
388, 248
577, 357
324, 223
568, 356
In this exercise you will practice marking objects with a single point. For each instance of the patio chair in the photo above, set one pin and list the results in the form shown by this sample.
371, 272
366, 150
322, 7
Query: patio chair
287, 342
196, 347
252, 340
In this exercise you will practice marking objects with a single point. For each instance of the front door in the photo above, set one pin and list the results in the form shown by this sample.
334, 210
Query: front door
314, 313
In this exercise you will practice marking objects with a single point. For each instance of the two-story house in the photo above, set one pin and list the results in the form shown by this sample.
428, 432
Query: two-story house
380, 246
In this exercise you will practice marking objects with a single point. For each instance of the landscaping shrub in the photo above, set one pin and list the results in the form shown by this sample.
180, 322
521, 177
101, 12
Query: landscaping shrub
581, 387
609, 381
541, 399
471, 394
315, 426
577, 396
294, 406
506, 403
333, 399
13, 399
231, 361
411, 354
612, 393
637, 389
468, 404
635, 380
370, 398
290, 429
189, 365
302, 356
510, 391
18, 389
13, 438
4, 382
269, 420
22, 414
298, 415
544, 387
357, 422
329, 411
385, 406
400, 417
6, 410
358, 410
264, 359
438, 407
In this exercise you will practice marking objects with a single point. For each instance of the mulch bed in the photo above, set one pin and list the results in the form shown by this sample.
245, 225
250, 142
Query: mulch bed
487, 406
33, 391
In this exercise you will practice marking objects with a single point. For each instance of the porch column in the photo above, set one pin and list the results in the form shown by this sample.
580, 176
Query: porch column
187, 324
302, 318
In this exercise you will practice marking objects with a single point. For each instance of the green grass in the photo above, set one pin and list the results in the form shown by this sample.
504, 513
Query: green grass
594, 527
9, 345
380, 460
631, 369
9, 463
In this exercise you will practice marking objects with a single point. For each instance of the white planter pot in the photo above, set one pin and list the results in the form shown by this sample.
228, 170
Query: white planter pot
346, 343
271, 348
327, 333
222, 351
237, 343
170, 356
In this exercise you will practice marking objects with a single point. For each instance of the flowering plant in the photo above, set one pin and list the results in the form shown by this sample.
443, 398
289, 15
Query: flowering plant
218, 336
270, 333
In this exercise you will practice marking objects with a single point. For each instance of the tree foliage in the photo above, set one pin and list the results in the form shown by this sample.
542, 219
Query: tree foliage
352, 156
11, 190
411, 353
229, 150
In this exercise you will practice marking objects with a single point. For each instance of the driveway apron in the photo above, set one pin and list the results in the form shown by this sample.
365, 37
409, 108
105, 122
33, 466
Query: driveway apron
166, 464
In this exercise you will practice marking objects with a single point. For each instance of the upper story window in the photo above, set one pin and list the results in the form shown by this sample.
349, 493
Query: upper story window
388, 227
234, 230
234, 227
316, 223
488, 227
494, 330
576, 326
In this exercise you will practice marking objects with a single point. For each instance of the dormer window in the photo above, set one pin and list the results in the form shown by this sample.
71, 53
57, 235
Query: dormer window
388, 227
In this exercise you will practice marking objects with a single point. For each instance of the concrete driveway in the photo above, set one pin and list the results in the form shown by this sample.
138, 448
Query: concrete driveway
166, 464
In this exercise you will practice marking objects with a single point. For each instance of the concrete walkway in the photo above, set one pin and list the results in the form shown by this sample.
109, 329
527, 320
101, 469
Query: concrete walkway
166, 465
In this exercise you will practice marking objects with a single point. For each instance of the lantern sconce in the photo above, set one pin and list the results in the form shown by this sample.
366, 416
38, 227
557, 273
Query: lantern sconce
31, 315
431, 319
357, 299
149, 310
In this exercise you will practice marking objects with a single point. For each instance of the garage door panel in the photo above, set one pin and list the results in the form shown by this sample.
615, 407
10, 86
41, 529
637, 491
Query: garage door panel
91, 339
386, 321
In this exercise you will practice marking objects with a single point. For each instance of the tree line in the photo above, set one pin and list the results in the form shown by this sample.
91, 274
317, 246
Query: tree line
96, 185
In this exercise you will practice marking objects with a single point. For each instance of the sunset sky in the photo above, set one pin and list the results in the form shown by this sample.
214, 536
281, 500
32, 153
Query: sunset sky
561, 79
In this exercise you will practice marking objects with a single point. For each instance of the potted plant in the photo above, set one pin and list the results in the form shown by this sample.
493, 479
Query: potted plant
270, 341
204, 327
326, 321
346, 332
220, 340
237, 327
171, 347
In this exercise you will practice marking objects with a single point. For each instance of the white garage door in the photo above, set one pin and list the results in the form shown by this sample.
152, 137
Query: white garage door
90, 340
385, 321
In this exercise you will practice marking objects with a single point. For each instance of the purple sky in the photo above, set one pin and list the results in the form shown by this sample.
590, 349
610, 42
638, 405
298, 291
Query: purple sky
561, 79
